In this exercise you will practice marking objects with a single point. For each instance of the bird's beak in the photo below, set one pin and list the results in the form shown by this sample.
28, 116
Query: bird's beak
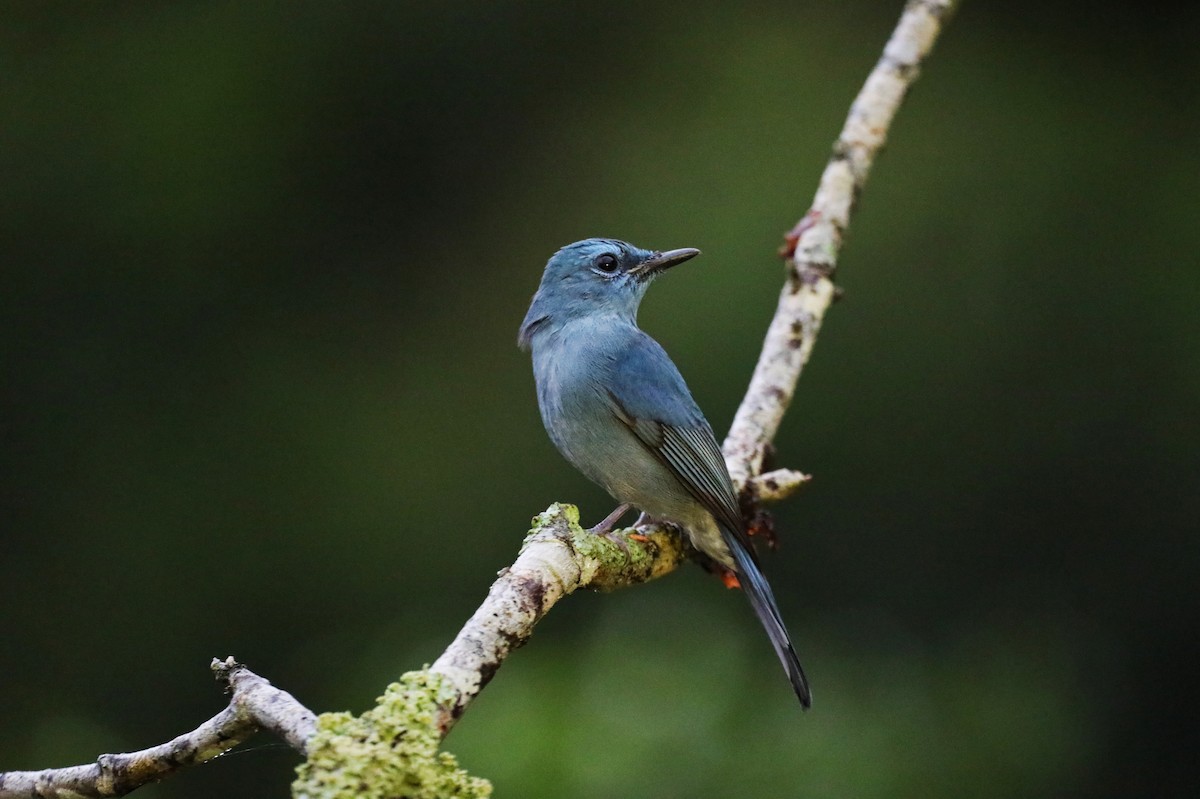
662, 261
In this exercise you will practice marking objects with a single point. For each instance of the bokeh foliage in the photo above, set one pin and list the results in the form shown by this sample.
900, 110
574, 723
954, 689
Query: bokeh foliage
262, 266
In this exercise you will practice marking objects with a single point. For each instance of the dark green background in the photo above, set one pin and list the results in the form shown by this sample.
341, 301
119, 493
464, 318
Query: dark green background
261, 269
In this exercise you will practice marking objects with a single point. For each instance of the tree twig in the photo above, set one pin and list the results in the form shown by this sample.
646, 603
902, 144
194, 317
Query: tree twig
254, 704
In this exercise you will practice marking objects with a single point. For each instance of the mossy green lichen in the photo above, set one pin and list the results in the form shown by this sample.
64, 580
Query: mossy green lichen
623, 557
595, 553
389, 752
551, 516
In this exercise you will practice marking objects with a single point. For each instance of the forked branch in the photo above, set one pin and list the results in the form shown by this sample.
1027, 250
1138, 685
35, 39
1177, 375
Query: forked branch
254, 705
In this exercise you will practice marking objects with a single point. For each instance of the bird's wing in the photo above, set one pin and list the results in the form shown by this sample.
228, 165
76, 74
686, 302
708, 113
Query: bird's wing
651, 398
648, 394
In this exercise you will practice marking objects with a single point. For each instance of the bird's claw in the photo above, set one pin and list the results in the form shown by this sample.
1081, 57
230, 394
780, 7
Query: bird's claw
606, 524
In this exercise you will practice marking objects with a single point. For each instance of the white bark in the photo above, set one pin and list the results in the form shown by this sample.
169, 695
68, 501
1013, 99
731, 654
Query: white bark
809, 290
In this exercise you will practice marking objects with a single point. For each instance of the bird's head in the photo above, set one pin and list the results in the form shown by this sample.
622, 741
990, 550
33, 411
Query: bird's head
595, 276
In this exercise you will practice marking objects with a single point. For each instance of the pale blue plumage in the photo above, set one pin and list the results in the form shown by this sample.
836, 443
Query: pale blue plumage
617, 408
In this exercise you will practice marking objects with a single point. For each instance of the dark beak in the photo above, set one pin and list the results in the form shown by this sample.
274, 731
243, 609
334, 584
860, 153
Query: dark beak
662, 261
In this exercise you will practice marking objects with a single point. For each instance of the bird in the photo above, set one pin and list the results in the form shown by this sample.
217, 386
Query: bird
617, 408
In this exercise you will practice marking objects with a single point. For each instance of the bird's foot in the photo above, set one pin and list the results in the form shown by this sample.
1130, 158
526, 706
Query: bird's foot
644, 520
606, 524
730, 579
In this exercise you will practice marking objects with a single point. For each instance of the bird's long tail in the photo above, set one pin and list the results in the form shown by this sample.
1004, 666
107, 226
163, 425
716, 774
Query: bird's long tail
763, 601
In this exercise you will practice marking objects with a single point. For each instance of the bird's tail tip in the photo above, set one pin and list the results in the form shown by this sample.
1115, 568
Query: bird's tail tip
800, 684
758, 591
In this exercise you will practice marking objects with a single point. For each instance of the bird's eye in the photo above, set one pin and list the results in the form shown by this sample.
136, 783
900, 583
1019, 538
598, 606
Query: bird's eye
607, 263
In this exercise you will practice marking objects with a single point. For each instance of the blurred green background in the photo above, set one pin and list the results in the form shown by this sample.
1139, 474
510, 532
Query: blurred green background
262, 268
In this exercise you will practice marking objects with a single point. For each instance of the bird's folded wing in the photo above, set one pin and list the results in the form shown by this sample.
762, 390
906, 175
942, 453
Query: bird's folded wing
653, 401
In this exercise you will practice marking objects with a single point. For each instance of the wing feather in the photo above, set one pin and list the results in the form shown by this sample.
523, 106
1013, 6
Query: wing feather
654, 402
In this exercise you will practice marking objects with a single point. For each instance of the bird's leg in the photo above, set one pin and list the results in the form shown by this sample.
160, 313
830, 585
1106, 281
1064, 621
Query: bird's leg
644, 520
606, 524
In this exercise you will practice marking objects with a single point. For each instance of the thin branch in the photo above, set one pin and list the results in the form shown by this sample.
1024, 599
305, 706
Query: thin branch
254, 704
268, 707
815, 242
776, 486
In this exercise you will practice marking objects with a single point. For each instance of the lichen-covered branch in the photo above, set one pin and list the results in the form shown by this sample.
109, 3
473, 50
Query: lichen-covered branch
394, 746
814, 244
389, 751
556, 558
392, 749
254, 705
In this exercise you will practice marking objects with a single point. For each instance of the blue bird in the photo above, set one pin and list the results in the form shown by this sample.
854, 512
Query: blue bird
617, 408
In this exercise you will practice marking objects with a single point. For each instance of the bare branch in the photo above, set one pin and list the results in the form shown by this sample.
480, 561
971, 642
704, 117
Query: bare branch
778, 485
816, 240
255, 704
268, 707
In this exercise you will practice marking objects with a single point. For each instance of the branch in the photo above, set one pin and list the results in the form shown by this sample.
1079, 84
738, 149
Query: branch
557, 558
776, 486
392, 749
814, 244
254, 705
